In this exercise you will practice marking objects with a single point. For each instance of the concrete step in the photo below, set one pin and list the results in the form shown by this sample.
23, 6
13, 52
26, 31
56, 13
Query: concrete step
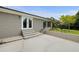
30, 33
30, 36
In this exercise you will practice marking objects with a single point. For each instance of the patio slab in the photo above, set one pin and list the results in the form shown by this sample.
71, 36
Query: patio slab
49, 43
42, 43
15, 46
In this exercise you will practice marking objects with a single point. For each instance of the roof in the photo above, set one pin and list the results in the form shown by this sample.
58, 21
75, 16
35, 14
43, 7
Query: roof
21, 12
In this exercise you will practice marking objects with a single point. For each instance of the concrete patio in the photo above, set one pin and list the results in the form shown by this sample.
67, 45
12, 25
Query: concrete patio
42, 43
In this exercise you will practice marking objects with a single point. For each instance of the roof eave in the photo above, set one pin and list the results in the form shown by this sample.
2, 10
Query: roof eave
12, 11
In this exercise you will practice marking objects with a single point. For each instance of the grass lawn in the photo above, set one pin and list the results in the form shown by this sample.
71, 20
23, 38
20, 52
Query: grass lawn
66, 31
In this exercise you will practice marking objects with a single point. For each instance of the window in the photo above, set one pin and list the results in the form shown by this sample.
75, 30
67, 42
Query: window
30, 23
26, 23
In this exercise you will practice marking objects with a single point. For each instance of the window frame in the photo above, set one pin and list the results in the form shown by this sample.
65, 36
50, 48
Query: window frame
28, 18
29, 23
25, 23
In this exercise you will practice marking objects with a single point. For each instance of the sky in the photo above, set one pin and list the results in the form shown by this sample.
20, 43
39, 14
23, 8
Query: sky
47, 11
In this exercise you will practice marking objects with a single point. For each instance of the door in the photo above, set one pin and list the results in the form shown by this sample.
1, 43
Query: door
44, 24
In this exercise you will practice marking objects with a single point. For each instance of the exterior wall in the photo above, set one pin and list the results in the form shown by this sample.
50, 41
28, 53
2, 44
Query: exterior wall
10, 25
37, 24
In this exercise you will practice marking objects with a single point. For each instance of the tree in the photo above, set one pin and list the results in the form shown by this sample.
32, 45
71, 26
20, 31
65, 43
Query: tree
68, 20
77, 20
55, 22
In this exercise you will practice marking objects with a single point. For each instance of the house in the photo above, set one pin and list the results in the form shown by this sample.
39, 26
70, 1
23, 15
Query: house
19, 24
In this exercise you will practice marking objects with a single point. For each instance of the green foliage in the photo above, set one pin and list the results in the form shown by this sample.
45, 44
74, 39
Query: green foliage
77, 16
66, 31
68, 20
77, 20
55, 22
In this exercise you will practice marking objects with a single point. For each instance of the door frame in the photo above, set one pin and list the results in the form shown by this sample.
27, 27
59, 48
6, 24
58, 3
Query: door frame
22, 19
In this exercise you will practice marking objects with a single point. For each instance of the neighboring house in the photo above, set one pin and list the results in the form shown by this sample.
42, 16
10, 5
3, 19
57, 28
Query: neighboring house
15, 23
